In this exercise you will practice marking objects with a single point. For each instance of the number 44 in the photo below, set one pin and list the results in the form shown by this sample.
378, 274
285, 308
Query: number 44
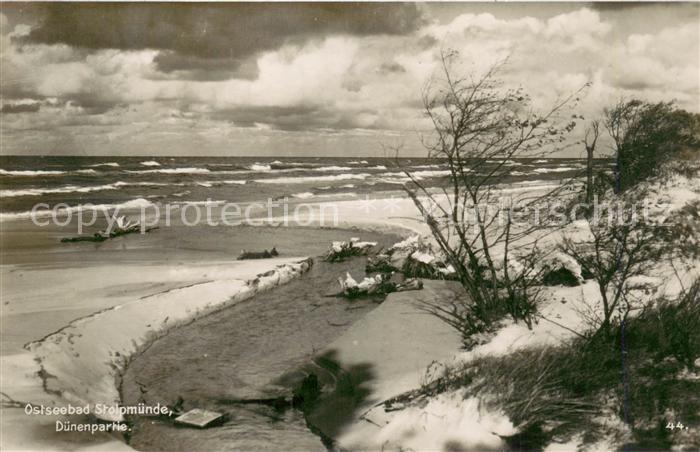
676, 426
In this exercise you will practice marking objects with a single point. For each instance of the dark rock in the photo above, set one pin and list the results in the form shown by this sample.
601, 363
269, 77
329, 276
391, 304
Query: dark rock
560, 277
265, 254
380, 264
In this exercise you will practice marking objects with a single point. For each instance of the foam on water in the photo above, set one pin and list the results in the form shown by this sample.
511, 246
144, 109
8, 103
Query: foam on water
304, 195
554, 170
83, 189
30, 173
333, 168
171, 171
48, 191
303, 179
139, 203
112, 164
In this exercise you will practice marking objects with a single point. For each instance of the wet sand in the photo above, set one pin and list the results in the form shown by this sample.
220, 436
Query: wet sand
48, 284
241, 353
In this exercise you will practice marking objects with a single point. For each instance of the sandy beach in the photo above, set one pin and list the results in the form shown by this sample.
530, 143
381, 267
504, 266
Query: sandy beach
75, 313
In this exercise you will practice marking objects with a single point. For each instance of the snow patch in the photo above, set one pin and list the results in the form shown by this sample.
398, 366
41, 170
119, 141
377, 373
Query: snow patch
85, 358
450, 421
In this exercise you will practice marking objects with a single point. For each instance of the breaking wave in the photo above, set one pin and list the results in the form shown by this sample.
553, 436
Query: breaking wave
138, 203
304, 195
112, 164
81, 189
555, 170
171, 171
299, 180
29, 173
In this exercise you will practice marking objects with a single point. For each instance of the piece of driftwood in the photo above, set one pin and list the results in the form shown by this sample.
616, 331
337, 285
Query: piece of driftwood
415, 257
201, 418
97, 237
265, 254
380, 284
380, 263
303, 396
101, 236
409, 284
339, 251
121, 226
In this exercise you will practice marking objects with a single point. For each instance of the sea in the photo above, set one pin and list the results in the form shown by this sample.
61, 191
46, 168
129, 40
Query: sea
134, 181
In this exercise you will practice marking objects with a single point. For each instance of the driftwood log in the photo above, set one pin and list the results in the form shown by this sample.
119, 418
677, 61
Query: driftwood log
265, 254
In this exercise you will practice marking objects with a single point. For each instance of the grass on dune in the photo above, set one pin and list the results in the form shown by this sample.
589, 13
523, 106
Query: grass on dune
642, 376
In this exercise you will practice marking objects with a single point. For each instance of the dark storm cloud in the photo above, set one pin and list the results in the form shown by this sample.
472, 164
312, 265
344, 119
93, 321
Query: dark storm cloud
90, 104
283, 118
617, 6
636, 84
20, 108
393, 67
204, 31
190, 67
13, 90
293, 119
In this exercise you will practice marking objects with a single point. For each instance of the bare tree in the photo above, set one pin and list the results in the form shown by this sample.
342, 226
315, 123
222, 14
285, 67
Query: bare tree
622, 249
479, 125
626, 244
590, 140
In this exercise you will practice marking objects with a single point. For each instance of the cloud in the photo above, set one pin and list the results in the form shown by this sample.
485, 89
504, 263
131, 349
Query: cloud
391, 67
351, 75
619, 6
190, 67
20, 107
227, 33
293, 118
655, 67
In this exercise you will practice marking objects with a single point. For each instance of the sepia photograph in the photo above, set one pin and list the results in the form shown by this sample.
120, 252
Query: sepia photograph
349, 226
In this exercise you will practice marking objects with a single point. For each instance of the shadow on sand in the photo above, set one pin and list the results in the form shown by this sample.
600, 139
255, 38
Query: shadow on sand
344, 389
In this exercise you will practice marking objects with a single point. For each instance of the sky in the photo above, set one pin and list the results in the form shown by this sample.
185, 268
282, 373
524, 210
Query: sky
312, 79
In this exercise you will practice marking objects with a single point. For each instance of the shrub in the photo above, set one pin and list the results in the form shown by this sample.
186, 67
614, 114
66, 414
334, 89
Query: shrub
647, 135
560, 277
555, 392
622, 248
479, 126
435, 269
339, 251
